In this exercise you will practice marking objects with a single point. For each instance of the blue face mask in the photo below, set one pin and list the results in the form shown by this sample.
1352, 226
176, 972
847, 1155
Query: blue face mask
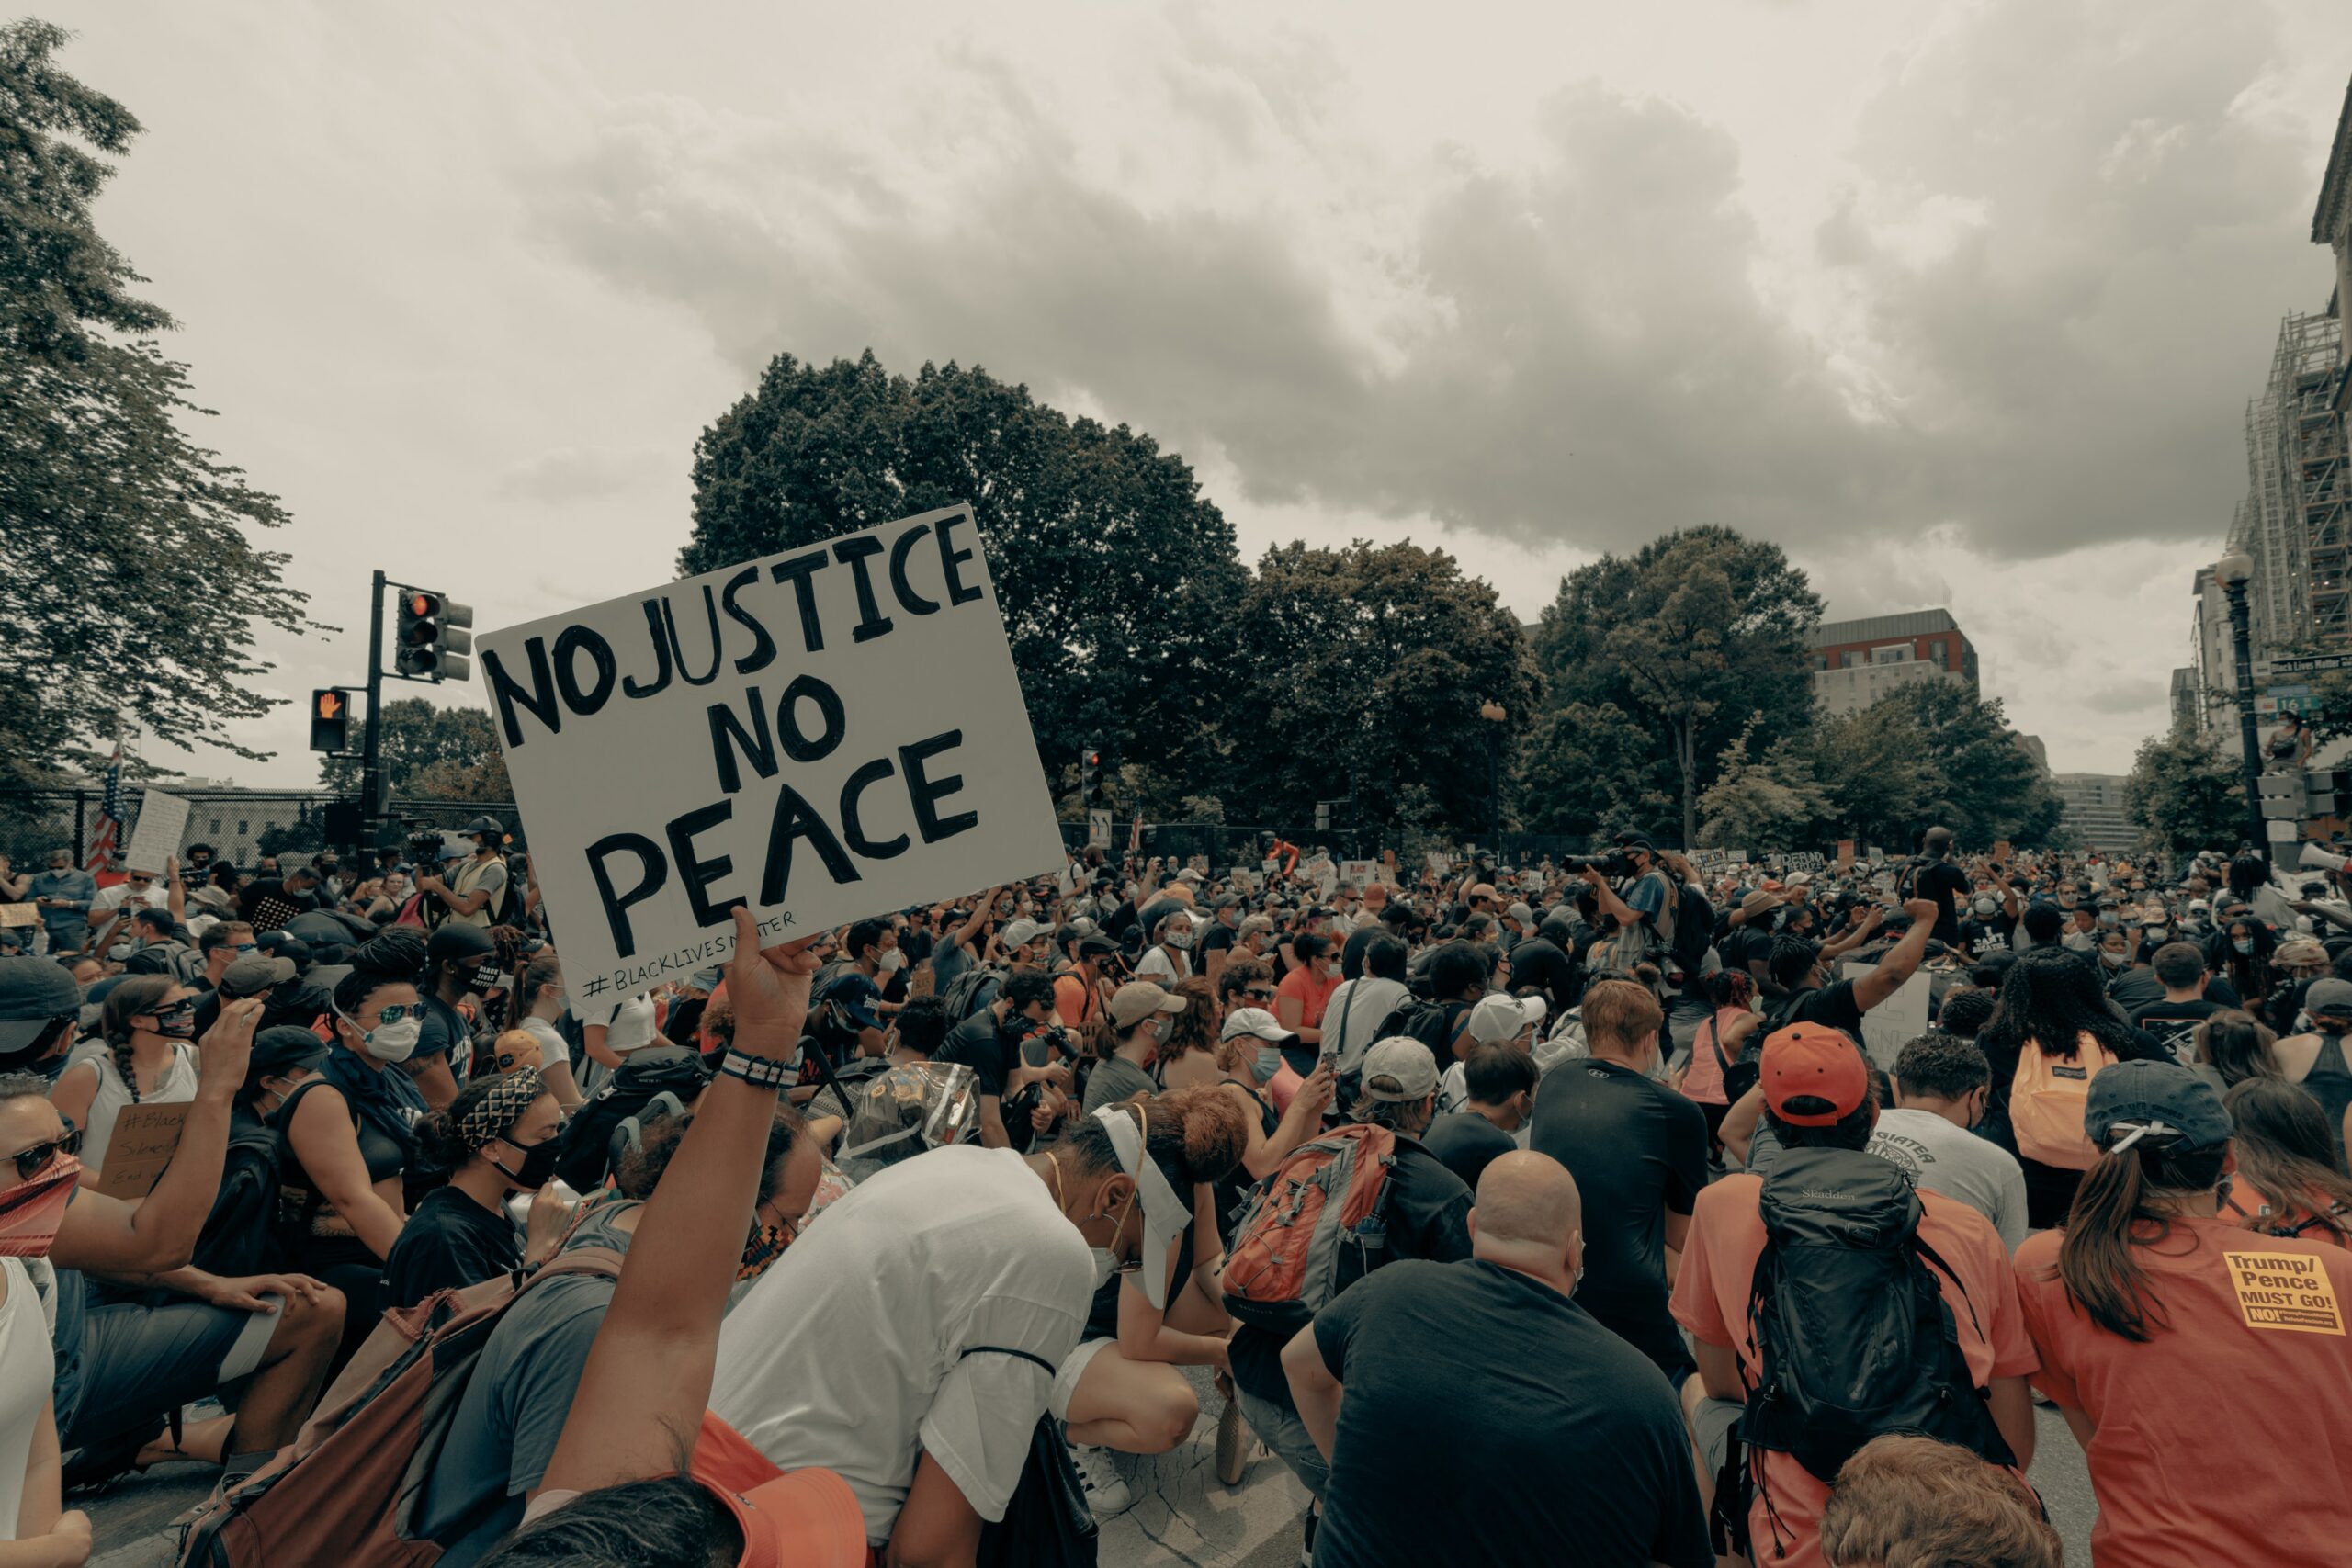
1270, 1062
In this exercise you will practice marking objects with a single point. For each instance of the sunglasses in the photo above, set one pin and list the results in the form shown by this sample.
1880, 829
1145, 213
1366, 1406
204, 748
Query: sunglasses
1262, 994
397, 1011
31, 1162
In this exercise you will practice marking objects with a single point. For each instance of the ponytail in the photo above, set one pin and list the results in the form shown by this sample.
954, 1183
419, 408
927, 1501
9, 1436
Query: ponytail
2120, 1198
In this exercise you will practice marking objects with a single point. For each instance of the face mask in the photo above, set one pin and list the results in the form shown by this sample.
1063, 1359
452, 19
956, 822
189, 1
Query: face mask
1986, 907
2109, 918
1180, 939
2244, 944
177, 1024
538, 1163
392, 1041
1106, 1263
2157, 933
1268, 1063
2113, 960
30, 1214
485, 977
891, 961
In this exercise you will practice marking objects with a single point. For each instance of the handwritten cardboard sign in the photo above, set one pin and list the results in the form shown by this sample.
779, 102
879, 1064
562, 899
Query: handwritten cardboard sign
19, 915
822, 735
145, 1138
156, 836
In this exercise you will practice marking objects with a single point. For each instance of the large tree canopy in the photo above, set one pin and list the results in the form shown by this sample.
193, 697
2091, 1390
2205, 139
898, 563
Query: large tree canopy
1116, 577
1367, 667
1698, 639
130, 587
431, 753
2186, 793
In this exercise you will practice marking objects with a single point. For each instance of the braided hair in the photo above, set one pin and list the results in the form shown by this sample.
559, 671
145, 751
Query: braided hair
130, 997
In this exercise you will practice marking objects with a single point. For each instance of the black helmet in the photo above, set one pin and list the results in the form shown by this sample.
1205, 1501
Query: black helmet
484, 827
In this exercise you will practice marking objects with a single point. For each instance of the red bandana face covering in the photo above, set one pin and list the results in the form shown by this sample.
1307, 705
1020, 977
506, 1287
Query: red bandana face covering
30, 1214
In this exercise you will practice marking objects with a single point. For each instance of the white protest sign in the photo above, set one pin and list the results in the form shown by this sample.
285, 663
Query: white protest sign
1358, 873
1896, 1021
156, 836
826, 734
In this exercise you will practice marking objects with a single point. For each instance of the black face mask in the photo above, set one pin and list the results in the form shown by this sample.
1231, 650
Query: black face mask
485, 977
538, 1164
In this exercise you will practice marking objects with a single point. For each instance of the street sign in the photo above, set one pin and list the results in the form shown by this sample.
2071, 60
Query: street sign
2310, 663
1098, 830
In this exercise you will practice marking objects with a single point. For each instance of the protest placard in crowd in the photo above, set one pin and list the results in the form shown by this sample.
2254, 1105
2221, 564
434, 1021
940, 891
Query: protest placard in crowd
156, 836
825, 734
1897, 1020
145, 1137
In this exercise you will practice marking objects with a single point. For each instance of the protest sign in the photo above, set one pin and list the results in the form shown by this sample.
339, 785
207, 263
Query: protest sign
1897, 1020
824, 735
1356, 873
155, 838
19, 915
145, 1138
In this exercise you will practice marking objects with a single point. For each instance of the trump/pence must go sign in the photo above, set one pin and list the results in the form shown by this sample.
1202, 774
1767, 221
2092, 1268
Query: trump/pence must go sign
824, 735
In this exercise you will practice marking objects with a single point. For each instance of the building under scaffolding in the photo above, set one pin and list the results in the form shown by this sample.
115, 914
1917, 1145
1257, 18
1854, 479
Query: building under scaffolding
2292, 521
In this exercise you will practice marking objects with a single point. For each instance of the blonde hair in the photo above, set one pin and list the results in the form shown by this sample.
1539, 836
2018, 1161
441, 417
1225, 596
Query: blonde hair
1618, 1013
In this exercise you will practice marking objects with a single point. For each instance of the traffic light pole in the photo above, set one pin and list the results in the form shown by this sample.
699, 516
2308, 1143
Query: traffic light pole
371, 769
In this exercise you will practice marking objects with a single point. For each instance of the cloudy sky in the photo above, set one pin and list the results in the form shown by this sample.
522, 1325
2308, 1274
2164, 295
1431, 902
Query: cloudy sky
1961, 301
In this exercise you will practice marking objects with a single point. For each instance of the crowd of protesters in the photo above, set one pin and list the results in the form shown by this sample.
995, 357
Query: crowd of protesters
1571, 1212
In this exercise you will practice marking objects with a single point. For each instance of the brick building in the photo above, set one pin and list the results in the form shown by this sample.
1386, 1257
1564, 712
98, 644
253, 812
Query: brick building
1857, 662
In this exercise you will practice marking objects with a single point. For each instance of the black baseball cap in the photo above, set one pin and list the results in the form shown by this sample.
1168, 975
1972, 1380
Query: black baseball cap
38, 1000
458, 942
2159, 1100
281, 1050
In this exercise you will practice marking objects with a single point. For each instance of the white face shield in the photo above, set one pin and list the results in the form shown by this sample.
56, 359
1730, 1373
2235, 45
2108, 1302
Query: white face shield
1165, 1214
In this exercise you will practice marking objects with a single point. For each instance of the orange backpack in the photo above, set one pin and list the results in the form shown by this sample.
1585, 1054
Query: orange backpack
2047, 1098
1316, 1224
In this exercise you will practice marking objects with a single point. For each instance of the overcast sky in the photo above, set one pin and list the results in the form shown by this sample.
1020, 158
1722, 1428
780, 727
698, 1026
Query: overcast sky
1962, 302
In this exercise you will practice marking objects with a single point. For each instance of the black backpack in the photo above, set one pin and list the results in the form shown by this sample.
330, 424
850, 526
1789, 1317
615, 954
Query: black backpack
240, 1237
1434, 1024
1853, 1337
588, 1137
969, 992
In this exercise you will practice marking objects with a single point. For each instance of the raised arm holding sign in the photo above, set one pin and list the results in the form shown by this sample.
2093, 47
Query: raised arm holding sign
822, 735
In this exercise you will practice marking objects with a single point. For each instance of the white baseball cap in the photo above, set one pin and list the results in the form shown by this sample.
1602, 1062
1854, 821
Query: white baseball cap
1499, 1017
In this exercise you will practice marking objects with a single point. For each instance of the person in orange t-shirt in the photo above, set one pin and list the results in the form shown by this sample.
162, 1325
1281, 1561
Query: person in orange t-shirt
2206, 1370
1816, 1095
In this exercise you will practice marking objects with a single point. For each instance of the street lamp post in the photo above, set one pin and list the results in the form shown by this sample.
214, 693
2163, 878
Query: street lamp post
2233, 571
1495, 716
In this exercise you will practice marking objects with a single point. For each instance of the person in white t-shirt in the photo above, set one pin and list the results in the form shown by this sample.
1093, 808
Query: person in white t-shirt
1941, 1085
31, 1156
1168, 959
910, 1339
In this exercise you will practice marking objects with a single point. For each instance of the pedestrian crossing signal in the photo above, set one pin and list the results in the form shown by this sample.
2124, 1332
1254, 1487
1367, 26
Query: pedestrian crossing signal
330, 719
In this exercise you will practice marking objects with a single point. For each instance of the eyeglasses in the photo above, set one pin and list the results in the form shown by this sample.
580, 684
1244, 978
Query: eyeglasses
31, 1162
1260, 994
397, 1011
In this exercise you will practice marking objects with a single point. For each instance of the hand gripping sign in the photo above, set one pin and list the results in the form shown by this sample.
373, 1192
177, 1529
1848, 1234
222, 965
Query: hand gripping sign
824, 735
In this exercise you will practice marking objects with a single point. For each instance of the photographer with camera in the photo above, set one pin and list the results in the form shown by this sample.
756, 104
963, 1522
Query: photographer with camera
1643, 915
475, 894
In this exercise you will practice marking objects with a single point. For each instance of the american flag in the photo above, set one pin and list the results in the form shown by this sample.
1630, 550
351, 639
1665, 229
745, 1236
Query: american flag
107, 839
1135, 836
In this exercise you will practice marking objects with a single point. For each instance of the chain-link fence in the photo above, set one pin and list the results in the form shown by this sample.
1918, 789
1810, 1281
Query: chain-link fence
1227, 845
241, 825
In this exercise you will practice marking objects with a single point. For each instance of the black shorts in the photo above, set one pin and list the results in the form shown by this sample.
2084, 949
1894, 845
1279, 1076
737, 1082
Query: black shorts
140, 1363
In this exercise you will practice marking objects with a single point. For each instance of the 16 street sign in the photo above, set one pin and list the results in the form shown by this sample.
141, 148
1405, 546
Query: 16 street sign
2310, 663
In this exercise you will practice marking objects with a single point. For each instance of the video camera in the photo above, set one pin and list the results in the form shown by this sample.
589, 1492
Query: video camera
1616, 865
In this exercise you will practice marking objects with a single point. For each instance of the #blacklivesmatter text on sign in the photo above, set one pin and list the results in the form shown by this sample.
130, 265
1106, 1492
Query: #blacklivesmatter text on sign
824, 734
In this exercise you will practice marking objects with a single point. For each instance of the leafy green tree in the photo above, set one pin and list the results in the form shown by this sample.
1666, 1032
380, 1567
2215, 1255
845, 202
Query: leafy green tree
129, 586
1986, 785
2186, 794
1873, 768
1116, 577
1589, 767
1773, 802
431, 753
1370, 665
1698, 637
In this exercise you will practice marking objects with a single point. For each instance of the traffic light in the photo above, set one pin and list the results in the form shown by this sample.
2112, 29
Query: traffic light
1322, 816
330, 719
434, 641
1090, 777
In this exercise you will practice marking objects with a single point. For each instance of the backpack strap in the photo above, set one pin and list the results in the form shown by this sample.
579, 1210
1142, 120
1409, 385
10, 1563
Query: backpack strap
1920, 1243
1715, 1041
1051, 1370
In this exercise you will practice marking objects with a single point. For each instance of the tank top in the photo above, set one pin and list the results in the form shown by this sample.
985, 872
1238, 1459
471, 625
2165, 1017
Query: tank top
177, 1089
2330, 1083
301, 1207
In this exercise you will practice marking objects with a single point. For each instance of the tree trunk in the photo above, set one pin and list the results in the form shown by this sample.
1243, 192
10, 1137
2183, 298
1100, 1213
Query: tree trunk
1686, 757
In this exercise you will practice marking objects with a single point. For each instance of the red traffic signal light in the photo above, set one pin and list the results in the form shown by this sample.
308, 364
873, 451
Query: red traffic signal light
432, 641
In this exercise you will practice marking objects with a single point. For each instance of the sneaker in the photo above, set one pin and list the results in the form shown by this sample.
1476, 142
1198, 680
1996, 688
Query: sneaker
1306, 1549
1097, 1472
1232, 1443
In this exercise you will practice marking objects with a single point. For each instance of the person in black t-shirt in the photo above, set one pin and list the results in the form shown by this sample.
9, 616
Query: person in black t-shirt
990, 1044
500, 1136
1500, 1079
1815, 997
2180, 968
1532, 1427
1940, 882
1638, 1151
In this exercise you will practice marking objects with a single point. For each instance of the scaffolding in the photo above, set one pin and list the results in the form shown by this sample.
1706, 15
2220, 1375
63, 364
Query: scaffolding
2292, 521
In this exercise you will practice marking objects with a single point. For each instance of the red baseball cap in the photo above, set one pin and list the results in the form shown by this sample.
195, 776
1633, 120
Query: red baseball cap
801, 1518
1813, 1059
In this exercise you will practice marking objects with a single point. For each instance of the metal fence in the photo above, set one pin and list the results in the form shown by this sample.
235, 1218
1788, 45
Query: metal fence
1226, 844
242, 825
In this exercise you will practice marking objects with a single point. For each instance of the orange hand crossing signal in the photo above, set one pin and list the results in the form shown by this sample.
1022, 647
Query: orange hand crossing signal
330, 719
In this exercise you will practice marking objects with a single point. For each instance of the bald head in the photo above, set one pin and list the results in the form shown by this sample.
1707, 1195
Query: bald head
1526, 1199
